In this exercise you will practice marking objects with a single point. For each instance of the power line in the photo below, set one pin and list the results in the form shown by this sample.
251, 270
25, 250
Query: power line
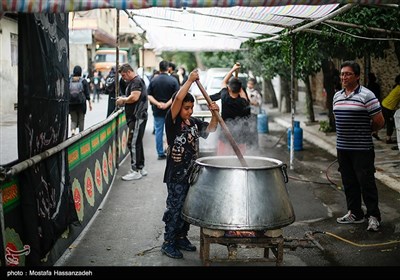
360, 37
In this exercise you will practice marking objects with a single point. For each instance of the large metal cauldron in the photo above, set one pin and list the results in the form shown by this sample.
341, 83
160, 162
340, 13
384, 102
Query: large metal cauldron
224, 195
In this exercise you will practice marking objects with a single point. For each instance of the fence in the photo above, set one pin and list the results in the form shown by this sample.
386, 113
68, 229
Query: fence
93, 157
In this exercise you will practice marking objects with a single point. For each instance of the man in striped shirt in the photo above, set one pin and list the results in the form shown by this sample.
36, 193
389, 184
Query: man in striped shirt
357, 114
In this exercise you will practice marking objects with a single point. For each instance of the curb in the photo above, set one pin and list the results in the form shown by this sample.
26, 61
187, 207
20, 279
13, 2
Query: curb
330, 146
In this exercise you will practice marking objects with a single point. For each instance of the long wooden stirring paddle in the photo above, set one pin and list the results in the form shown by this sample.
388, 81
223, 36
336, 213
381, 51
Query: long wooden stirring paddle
225, 129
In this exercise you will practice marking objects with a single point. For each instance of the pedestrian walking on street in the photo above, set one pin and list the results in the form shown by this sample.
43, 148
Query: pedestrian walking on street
79, 94
183, 132
357, 113
136, 106
97, 85
160, 92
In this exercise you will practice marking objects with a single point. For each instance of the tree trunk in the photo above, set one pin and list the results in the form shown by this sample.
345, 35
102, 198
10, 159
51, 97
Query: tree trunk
269, 93
309, 101
285, 95
328, 69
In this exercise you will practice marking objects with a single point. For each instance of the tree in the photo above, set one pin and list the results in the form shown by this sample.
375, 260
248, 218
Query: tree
307, 62
266, 60
343, 44
349, 42
185, 59
221, 59
314, 51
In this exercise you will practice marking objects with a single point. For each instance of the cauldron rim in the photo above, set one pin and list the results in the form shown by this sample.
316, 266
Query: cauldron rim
278, 163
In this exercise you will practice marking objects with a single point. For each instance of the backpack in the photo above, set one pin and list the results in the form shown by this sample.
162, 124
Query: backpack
76, 94
110, 85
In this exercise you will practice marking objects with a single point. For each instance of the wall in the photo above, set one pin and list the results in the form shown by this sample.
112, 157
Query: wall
78, 56
317, 88
102, 22
386, 70
106, 20
150, 59
8, 73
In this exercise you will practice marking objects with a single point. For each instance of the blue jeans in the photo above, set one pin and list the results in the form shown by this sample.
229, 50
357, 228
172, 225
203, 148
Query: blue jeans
159, 123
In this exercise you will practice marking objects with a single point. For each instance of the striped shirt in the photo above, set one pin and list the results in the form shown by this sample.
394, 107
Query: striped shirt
353, 118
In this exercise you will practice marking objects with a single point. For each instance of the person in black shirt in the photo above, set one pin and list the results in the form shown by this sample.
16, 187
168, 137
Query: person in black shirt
109, 89
183, 132
136, 115
78, 111
160, 92
374, 86
172, 71
235, 111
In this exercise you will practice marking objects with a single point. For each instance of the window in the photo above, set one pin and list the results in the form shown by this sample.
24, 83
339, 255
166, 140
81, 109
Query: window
14, 49
110, 58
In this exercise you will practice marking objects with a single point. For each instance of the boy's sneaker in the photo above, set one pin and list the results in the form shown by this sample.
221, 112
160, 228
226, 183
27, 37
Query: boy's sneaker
184, 244
143, 172
169, 249
132, 175
373, 224
350, 218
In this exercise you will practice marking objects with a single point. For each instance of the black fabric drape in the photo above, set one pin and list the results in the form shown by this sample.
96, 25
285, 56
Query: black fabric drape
42, 124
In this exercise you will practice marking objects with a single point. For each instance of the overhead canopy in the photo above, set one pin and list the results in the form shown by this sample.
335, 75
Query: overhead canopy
62, 6
220, 28
193, 24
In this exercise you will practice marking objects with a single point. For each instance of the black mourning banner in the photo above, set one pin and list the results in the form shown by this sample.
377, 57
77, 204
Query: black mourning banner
42, 124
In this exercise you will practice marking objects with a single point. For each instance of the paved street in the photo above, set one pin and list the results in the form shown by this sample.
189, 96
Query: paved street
8, 128
128, 230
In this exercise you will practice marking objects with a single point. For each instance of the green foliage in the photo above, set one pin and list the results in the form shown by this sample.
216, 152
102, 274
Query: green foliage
272, 58
185, 59
135, 50
324, 126
308, 56
208, 59
266, 59
220, 59
344, 46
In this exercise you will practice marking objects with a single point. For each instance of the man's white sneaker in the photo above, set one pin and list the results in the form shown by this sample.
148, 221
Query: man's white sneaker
133, 175
350, 218
143, 172
373, 224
